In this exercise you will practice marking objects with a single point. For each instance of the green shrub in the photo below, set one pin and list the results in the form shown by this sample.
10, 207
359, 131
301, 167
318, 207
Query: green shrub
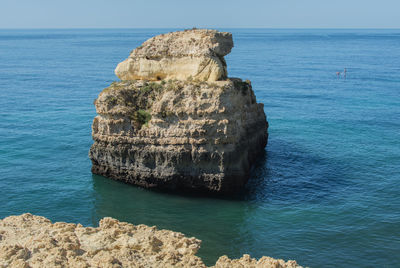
142, 117
148, 87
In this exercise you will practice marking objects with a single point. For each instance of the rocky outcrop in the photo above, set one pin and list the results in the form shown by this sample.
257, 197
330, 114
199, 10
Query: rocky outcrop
247, 262
177, 134
179, 55
34, 241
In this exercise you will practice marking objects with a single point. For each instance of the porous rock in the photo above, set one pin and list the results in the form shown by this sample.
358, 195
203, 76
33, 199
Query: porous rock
178, 134
196, 53
34, 241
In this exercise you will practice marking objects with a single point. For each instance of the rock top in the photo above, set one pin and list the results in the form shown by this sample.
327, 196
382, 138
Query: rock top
197, 42
197, 53
34, 241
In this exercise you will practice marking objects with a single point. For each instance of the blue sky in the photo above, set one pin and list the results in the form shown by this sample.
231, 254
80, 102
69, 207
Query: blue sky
200, 13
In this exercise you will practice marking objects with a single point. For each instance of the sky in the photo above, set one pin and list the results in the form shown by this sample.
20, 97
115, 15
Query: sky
200, 13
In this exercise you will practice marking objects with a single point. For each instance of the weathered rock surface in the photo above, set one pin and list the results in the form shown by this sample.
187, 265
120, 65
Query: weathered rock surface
178, 134
192, 133
34, 241
179, 55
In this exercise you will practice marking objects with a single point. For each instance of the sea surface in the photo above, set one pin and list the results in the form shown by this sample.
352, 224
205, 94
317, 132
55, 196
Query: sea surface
326, 193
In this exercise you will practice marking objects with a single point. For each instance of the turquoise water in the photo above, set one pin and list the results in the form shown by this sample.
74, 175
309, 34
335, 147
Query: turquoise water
326, 193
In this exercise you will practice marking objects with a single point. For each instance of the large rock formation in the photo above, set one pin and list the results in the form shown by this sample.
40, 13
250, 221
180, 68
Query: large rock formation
33, 241
189, 133
178, 55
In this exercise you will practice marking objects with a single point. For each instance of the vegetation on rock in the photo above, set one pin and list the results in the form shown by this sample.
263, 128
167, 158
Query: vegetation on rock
179, 122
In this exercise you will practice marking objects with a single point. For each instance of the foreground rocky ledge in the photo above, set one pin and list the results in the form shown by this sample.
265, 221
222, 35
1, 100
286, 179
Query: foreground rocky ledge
33, 241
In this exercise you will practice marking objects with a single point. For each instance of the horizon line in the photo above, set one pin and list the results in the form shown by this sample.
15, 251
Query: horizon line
199, 27
269, 28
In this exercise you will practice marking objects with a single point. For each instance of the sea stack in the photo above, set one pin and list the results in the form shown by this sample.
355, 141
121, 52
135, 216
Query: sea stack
175, 120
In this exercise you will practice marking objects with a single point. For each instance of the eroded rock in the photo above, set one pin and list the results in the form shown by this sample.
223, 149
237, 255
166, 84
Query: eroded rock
183, 133
178, 134
34, 241
198, 54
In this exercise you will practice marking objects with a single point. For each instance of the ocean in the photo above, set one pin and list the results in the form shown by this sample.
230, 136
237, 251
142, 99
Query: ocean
326, 193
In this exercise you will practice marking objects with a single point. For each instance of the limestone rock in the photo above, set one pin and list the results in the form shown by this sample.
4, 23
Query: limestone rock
178, 134
247, 261
179, 55
189, 132
34, 241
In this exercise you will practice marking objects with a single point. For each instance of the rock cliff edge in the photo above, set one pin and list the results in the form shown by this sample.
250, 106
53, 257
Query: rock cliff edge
34, 241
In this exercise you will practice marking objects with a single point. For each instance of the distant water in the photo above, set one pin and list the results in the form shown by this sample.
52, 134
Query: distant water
326, 194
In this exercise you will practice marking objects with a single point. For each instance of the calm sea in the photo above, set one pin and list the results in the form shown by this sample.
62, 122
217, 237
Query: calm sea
326, 193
